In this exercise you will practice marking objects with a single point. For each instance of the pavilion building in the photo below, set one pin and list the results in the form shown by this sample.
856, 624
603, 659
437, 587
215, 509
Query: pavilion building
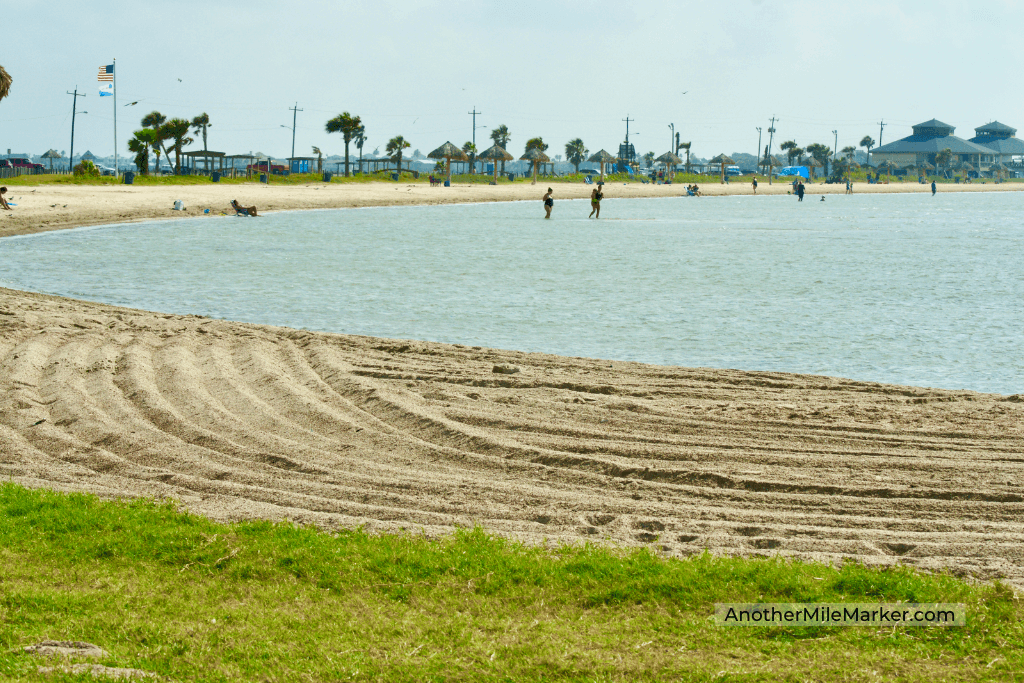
1001, 139
930, 138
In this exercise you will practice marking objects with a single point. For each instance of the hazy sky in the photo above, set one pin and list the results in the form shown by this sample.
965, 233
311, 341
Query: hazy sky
555, 68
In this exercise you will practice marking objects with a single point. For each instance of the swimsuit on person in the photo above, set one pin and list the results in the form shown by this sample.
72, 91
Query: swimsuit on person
549, 202
597, 198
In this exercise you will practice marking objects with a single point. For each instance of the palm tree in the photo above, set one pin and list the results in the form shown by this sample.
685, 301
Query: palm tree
395, 147
177, 130
140, 144
797, 153
576, 152
867, 142
470, 150
500, 136
349, 126
788, 146
360, 140
155, 120
944, 158
648, 160
319, 159
6, 80
200, 124
536, 143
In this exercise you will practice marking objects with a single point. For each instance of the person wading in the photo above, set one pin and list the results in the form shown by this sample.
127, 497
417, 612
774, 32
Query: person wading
549, 203
595, 201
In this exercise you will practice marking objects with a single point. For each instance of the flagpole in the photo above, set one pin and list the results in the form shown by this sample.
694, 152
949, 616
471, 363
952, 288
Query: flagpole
115, 118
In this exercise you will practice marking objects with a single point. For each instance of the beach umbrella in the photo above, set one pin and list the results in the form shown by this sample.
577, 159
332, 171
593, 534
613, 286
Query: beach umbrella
535, 156
495, 153
51, 155
722, 160
670, 160
999, 167
448, 151
602, 158
5, 83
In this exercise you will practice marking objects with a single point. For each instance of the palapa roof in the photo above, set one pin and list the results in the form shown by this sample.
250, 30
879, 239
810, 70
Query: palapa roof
534, 154
925, 166
52, 154
722, 159
813, 163
5, 83
888, 163
601, 156
669, 158
495, 152
448, 151
771, 160
203, 153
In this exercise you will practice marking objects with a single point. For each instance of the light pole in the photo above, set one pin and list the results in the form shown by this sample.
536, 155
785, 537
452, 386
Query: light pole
771, 136
672, 139
758, 155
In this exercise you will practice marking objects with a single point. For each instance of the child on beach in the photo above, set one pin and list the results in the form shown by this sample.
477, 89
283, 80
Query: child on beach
3, 199
549, 203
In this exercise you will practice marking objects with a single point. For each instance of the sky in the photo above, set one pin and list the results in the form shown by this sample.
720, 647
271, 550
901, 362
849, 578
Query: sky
558, 69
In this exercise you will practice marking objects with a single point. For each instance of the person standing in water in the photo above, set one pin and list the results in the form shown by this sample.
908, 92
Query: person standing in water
800, 191
933, 188
549, 203
595, 201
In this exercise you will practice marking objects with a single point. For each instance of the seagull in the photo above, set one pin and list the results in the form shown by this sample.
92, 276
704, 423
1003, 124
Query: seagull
132, 103
685, 91
179, 80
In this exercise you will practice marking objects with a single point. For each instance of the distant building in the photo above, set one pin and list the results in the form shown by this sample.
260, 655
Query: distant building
930, 138
1001, 139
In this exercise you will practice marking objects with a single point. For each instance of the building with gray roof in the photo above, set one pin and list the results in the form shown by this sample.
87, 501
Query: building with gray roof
930, 138
1000, 138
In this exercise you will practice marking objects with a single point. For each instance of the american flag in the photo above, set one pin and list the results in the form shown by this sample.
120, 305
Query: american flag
106, 73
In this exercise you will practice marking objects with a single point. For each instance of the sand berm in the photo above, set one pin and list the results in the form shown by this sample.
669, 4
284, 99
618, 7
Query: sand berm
240, 421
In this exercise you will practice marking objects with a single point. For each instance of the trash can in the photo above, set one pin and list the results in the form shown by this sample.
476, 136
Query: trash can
129, 177
511, 177
447, 183
215, 176
394, 176
263, 177
327, 176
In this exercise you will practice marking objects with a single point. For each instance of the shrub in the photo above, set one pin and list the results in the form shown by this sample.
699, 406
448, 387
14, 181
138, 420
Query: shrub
86, 168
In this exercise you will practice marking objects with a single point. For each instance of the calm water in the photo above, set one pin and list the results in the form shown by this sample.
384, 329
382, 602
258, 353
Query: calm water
910, 289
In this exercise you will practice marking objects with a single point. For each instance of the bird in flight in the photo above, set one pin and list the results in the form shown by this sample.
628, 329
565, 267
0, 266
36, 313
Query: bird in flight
179, 80
685, 91
132, 103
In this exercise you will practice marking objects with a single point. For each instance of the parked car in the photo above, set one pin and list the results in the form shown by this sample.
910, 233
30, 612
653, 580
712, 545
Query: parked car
22, 162
733, 171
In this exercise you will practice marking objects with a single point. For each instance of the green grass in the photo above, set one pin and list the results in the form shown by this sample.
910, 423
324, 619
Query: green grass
194, 600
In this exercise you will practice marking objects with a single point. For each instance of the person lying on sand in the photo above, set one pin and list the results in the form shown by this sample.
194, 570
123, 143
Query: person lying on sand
248, 210
3, 199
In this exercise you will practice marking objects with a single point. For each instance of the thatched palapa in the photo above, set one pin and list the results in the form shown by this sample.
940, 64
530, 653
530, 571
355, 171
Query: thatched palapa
722, 160
495, 153
670, 160
5, 82
448, 151
535, 156
602, 158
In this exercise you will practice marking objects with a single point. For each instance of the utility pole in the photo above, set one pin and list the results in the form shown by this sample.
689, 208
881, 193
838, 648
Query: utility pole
771, 136
881, 126
758, 155
74, 103
672, 137
835, 149
627, 120
295, 113
474, 113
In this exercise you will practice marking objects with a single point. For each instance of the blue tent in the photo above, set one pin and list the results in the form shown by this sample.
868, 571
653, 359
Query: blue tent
796, 170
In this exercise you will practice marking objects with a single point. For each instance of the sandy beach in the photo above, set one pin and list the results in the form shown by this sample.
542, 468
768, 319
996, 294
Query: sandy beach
239, 421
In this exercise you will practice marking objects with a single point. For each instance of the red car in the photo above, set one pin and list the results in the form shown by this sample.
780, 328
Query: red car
20, 162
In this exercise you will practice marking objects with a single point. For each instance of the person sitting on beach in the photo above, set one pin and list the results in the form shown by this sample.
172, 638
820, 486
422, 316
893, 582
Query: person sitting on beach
595, 201
549, 203
247, 210
3, 200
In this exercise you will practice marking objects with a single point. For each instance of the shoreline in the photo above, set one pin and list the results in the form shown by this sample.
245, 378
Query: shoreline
242, 421
55, 207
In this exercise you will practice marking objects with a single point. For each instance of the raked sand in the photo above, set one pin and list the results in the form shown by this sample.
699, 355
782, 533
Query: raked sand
240, 421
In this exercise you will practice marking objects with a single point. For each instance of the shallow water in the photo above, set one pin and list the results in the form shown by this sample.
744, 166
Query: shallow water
910, 289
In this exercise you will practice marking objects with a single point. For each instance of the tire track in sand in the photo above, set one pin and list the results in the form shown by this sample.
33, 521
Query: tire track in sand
239, 421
